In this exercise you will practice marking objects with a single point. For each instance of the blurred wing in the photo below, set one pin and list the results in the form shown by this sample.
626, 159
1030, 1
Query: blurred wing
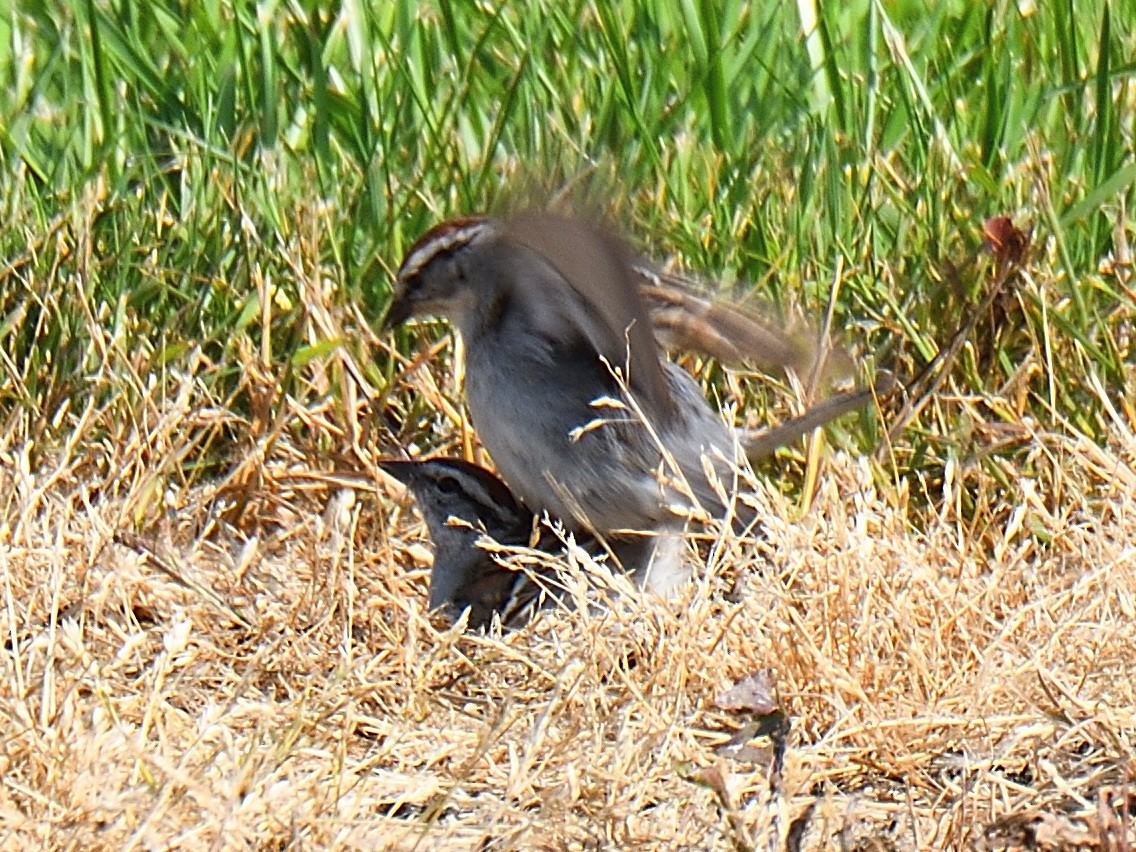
688, 320
599, 269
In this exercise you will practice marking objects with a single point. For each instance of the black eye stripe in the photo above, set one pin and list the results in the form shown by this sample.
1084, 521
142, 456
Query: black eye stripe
494, 489
449, 485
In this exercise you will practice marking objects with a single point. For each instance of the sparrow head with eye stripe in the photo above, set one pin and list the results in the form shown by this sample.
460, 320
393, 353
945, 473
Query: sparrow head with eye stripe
460, 503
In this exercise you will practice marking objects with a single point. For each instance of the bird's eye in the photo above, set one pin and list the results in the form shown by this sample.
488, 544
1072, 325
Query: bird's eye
449, 485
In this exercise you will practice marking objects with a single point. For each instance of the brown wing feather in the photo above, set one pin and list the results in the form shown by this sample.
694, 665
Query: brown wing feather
686, 319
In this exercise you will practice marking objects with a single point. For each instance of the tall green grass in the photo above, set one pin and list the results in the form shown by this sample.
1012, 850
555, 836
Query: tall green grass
174, 170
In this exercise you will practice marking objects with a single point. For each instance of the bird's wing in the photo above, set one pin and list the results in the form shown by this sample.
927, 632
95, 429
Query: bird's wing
686, 319
606, 307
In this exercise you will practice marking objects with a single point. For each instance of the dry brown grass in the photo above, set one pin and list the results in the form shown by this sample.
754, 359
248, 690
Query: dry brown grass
245, 662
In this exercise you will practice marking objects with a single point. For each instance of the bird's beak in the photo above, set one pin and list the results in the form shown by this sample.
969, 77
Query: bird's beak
399, 469
399, 311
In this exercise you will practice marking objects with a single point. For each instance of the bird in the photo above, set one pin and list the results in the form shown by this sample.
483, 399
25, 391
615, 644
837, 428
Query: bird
564, 380
461, 502
566, 383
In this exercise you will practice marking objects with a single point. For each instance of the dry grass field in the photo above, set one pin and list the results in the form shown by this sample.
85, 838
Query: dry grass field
253, 667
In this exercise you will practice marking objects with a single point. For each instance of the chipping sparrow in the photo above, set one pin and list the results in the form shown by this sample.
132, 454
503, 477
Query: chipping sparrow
565, 382
460, 503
